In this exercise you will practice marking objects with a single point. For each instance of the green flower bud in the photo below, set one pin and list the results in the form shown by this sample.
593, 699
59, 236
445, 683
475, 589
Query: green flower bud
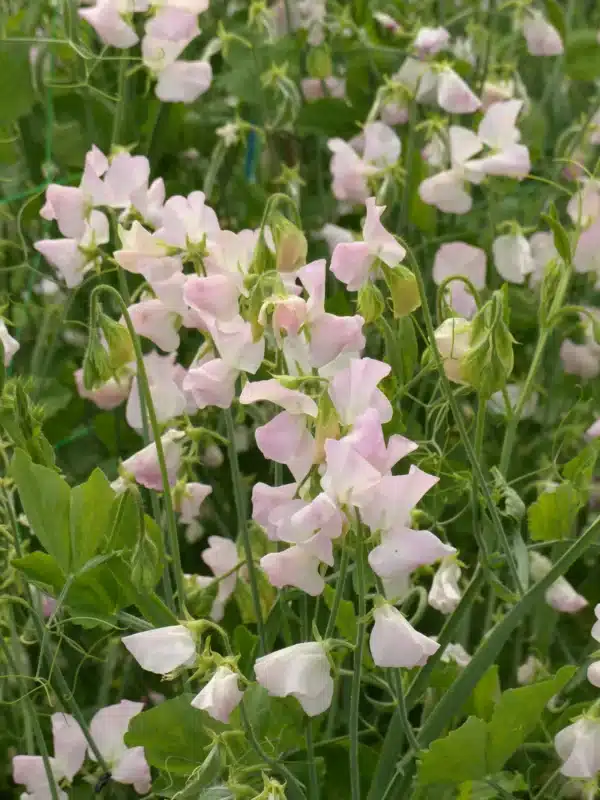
371, 304
453, 339
404, 290
118, 341
291, 246
490, 360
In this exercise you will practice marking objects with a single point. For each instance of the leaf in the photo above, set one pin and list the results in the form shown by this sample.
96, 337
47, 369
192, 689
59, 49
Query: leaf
553, 514
45, 498
174, 735
517, 714
17, 96
582, 57
559, 234
556, 16
346, 618
42, 569
277, 723
487, 693
580, 470
244, 644
91, 508
457, 757
513, 506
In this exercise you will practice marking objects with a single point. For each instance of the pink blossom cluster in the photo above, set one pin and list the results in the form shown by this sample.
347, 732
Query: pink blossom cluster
169, 27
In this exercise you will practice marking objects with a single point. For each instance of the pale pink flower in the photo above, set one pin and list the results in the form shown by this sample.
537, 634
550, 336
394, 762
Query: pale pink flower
317, 88
512, 257
542, 38
366, 437
304, 521
286, 440
584, 205
593, 432
72, 258
211, 383
221, 557
403, 550
190, 500
348, 477
587, 251
593, 674
183, 81
380, 148
220, 695
578, 747
66, 205
582, 360
9, 343
108, 23
154, 321
430, 41
334, 235
458, 258
144, 253
107, 396
108, 728
167, 34
352, 262
187, 219
561, 596
302, 671
395, 643
297, 566
144, 466
167, 395
214, 297
454, 95
162, 650
234, 340
291, 400
354, 390
265, 499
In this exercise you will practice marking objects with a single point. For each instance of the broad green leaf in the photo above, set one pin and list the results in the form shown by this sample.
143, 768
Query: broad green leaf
553, 514
457, 757
45, 498
174, 735
244, 644
582, 58
40, 568
482, 790
507, 499
517, 714
278, 723
148, 558
487, 693
126, 522
346, 618
580, 470
17, 96
91, 505
103, 588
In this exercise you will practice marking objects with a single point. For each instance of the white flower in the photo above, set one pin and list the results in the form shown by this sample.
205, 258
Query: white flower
512, 257
561, 596
302, 671
453, 339
163, 649
9, 344
444, 594
593, 674
395, 643
220, 695
529, 670
578, 747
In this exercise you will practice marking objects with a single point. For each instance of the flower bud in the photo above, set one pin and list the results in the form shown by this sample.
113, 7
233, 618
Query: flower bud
453, 339
490, 359
118, 341
371, 304
291, 246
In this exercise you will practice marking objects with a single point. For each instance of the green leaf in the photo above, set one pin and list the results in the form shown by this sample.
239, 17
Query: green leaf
17, 96
277, 723
559, 234
553, 514
173, 734
457, 757
508, 501
517, 715
556, 16
91, 508
582, 58
45, 498
346, 618
487, 693
580, 470
40, 568
245, 643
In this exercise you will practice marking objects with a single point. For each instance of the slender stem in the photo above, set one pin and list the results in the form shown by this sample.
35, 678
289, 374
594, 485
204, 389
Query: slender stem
119, 112
548, 785
313, 778
464, 435
142, 377
356, 677
339, 593
31, 713
240, 508
396, 678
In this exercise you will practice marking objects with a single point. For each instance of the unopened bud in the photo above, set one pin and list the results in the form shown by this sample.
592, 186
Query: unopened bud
453, 339
404, 290
291, 247
371, 304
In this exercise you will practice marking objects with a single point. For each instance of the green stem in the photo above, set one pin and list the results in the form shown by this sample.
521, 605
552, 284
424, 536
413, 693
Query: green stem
119, 113
160, 453
339, 593
464, 435
358, 658
37, 730
243, 532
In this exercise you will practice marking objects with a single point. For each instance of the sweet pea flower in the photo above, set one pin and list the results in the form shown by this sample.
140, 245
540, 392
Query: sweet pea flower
380, 149
66, 205
286, 440
366, 437
162, 650
593, 674
354, 390
69, 754
163, 380
512, 257
108, 395
144, 253
296, 566
167, 34
453, 340
9, 344
211, 382
291, 400
348, 477
430, 41
183, 81
578, 747
447, 88
529, 671
189, 500
114, 182
317, 88
458, 258
144, 466
220, 695
187, 220
234, 340
153, 320
593, 432
543, 251
403, 550
302, 671
352, 262
72, 258
561, 596
221, 557
395, 643
214, 297
445, 594
542, 38
127, 765
105, 18
582, 360
587, 256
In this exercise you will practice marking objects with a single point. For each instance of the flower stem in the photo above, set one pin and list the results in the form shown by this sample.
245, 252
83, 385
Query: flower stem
356, 677
160, 453
339, 593
242, 520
